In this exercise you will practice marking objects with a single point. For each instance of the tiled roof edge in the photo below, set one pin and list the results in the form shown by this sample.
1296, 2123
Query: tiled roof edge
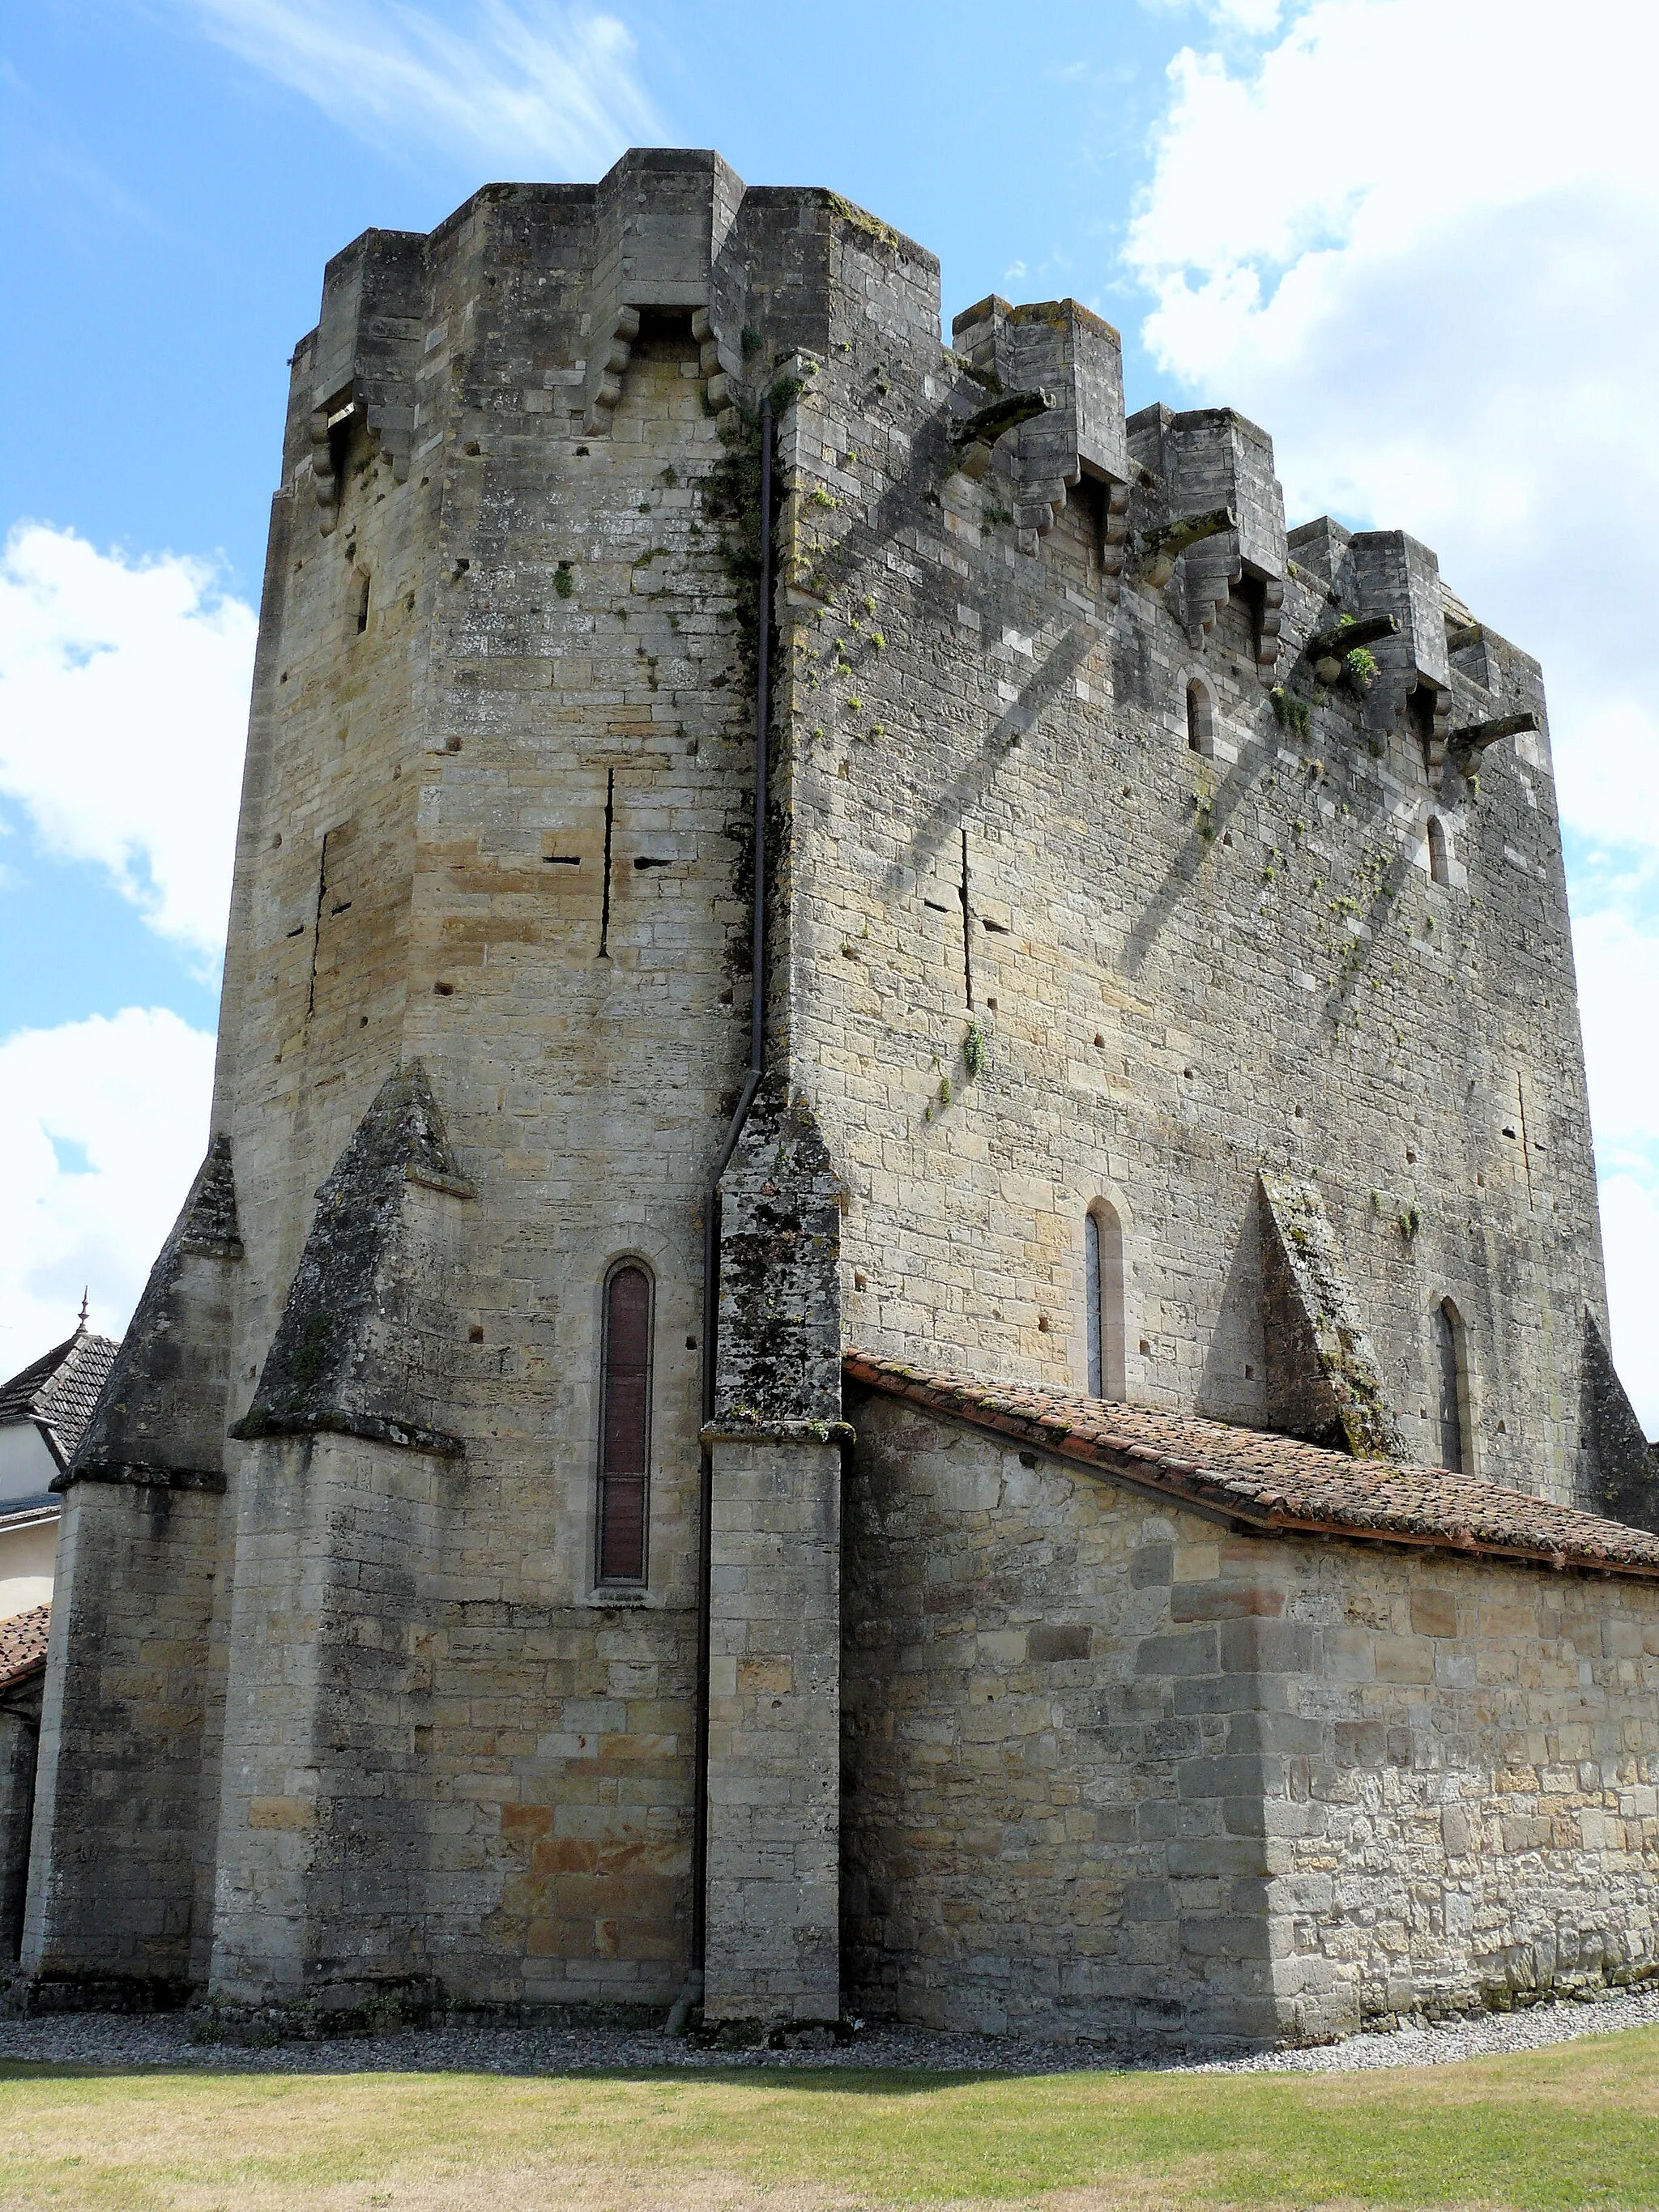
23, 1645
1215, 1495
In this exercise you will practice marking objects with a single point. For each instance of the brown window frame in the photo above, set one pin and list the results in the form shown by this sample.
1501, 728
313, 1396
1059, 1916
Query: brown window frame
615, 1545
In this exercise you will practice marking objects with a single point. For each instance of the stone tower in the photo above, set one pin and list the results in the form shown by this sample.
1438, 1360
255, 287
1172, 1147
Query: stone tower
1167, 996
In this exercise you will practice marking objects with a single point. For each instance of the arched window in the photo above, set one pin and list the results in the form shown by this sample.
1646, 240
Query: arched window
1453, 1393
1200, 718
625, 1426
1438, 850
1103, 1243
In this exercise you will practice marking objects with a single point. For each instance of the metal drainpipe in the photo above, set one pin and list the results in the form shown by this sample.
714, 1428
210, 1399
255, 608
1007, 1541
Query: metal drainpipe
711, 1253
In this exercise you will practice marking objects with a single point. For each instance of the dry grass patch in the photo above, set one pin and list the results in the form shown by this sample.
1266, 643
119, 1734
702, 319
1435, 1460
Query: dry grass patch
1575, 2126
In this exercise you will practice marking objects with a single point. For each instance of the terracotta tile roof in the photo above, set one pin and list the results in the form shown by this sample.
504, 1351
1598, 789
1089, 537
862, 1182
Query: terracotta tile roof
60, 1389
1268, 1482
23, 1645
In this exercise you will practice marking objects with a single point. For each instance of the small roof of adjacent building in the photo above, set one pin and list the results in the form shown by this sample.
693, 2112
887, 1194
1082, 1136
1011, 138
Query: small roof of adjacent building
58, 1391
23, 1645
1272, 1484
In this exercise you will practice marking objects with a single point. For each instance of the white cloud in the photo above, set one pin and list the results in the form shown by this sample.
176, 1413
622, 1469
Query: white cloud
513, 86
129, 1097
1419, 241
1618, 962
1427, 259
1254, 17
123, 713
1630, 1237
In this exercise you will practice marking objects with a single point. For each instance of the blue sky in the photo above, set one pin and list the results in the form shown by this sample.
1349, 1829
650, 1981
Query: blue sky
1422, 254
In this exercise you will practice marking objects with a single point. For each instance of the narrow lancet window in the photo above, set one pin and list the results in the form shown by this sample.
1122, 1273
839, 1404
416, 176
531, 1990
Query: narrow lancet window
1102, 1236
625, 1427
1449, 1362
1201, 719
1438, 867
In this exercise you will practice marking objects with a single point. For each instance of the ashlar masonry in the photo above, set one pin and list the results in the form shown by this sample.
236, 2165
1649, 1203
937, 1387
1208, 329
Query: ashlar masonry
597, 1504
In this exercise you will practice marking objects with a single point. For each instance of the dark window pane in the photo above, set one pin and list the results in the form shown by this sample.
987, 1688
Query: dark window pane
1092, 1297
625, 1423
621, 1558
626, 1345
625, 1427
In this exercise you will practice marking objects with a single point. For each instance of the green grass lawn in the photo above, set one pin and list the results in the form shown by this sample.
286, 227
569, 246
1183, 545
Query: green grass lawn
1575, 2125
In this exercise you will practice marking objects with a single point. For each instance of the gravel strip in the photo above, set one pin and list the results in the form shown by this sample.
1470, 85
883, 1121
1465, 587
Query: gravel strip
124, 2039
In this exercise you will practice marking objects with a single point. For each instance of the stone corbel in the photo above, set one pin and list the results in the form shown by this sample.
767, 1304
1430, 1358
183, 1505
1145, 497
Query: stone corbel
1115, 540
614, 352
1036, 515
1468, 742
722, 374
973, 439
1161, 548
1437, 738
1330, 648
1209, 571
323, 482
1267, 643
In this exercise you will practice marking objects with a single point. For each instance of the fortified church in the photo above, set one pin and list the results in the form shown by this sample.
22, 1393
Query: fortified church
897, 1305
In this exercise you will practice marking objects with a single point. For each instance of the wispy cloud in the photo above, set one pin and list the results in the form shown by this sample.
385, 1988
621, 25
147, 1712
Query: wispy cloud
124, 690
512, 86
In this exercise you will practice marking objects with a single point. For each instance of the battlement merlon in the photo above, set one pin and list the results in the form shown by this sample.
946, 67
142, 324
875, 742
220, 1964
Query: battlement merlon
664, 230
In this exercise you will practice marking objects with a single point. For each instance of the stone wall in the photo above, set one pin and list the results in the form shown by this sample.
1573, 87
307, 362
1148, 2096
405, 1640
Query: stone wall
118, 1815
1045, 950
775, 1723
1111, 1768
20, 1737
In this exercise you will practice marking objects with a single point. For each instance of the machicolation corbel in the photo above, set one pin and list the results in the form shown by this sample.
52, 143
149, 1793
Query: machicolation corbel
1158, 549
1466, 744
329, 421
1329, 649
972, 441
612, 354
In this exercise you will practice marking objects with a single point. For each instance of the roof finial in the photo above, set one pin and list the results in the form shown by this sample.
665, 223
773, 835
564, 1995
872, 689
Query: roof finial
83, 1305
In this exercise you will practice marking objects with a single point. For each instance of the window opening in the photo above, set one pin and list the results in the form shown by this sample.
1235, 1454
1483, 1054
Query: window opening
610, 820
359, 602
1439, 868
1103, 1235
967, 930
1201, 722
625, 1426
1449, 1358
317, 924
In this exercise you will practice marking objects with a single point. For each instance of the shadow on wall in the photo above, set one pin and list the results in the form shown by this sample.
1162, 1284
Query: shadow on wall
1230, 1384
